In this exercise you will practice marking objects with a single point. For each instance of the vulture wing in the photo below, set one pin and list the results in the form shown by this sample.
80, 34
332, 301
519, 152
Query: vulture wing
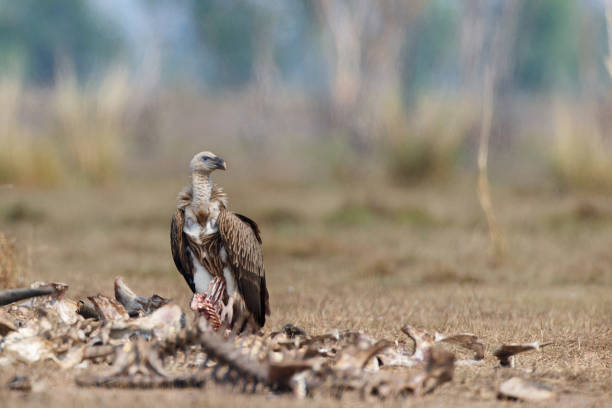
179, 246
242, 242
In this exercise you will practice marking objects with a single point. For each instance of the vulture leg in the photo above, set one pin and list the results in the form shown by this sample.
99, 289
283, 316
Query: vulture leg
210, 303
227, 311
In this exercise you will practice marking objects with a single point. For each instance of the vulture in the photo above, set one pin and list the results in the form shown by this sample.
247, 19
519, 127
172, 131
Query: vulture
218, 252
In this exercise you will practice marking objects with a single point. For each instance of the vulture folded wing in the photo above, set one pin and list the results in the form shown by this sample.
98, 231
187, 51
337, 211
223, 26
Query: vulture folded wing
179, 246
242, 242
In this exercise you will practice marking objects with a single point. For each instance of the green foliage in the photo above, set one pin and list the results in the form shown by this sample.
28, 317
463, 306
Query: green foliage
584, 215
411, 161
38, 35
546, 44
231, 31
364, 212
428, 146
353, 214
430, 52
22, 211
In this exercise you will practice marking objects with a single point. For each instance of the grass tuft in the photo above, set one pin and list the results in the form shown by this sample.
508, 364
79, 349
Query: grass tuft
10, 270
21, 211
427, 145
581, 155
368, 211
77, 133
584, 214
89, 125
280, 217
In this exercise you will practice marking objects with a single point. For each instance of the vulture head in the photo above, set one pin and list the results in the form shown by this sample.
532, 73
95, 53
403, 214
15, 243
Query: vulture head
206, 163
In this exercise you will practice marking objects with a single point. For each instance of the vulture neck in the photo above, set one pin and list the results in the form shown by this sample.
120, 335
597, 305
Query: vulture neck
202, 186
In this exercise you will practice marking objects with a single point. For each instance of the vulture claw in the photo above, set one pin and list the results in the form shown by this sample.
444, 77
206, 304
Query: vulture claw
227, 311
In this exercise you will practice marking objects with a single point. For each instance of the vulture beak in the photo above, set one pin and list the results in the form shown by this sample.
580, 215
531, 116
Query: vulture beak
220, 163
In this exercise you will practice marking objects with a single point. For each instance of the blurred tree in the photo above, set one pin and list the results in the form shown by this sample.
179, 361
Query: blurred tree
299, 53
37, 35
231, 31
430, 54
545, 46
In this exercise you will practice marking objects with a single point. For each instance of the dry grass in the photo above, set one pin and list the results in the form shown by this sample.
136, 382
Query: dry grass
70, 134
90, 124
86, 133
24, 159
10, 270
375, 276
581, 154
426, 144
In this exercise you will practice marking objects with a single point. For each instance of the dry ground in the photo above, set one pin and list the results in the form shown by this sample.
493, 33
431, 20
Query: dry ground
358, 257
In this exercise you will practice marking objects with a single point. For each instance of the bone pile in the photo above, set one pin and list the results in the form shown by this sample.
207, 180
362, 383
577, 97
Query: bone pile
131, 341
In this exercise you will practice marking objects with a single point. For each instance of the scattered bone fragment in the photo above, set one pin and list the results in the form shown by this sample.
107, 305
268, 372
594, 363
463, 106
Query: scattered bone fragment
6, 324
355, 358
97, 352
288, 336
13, 295
469, 363
29, 349
132, 360
439, 368
136, 305
520, 389
163, 323
59, 288
108, 309
423, 340
396, 357
505, 353
465, 340
149, 350
87, 309
20, 383
66, 310
293, 331
70, 358
283, 373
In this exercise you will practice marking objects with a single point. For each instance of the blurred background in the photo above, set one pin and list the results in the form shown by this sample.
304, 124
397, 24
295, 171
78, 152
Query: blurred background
442, 163
338, 115
95, 91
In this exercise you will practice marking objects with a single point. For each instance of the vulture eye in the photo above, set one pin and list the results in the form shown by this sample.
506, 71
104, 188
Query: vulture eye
204, 158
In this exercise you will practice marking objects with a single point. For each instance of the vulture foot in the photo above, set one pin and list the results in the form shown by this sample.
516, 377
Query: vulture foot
227, 311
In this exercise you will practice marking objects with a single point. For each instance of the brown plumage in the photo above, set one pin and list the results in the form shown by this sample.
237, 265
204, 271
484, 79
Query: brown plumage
210, 242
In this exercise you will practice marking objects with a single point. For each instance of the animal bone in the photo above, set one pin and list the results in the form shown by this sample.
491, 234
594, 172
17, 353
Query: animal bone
136, 305
13, 295
108, 309
132, 359
356, 357
6, 324
517, 388
422, 340
505, 353
162, 323
59, 288
465, 340
439, 368
87, 309
20, 383
29, 349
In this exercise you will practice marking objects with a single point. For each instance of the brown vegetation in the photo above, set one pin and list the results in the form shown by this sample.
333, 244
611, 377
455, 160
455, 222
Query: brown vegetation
373, 275
9, 266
